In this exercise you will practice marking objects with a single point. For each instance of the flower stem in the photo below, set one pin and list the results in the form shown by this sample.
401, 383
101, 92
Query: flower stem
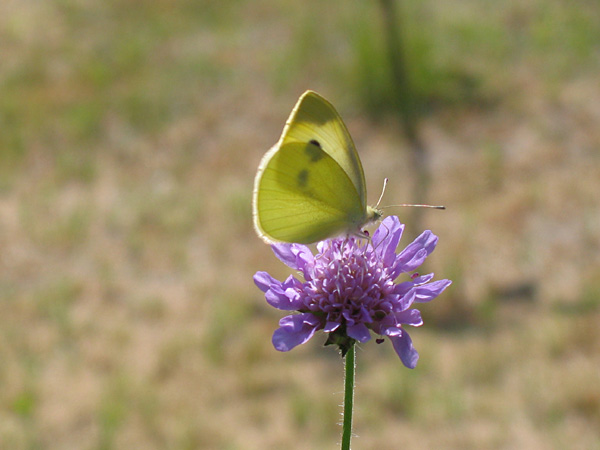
348, 398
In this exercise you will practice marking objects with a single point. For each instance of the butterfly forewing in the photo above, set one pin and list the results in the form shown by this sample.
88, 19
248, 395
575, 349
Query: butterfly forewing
315, 120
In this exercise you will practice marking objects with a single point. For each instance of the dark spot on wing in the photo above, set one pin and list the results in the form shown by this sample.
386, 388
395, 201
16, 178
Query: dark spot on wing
314, 150
302, 178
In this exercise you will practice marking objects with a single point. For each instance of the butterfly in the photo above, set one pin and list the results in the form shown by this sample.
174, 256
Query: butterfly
310, 185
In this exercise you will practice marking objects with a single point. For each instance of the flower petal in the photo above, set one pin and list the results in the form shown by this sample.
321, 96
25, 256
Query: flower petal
359, 332
304, 259
284, 296
403, 288
284, 253
386, 238
429, 291
415, 253
409, 317
295, 330
331, 326
404, 348
264, 281
406, 301
422, 279
295, 256
323, 246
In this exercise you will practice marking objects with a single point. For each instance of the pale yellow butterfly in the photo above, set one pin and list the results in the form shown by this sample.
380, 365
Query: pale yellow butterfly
311, 185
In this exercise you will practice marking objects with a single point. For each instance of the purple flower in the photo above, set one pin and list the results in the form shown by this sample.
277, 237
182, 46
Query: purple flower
349, 290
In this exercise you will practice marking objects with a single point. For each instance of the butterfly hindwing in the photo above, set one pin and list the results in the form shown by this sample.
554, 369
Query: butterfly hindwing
303, 195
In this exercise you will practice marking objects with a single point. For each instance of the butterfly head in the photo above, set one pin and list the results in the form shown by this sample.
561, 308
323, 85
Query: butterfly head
373, 214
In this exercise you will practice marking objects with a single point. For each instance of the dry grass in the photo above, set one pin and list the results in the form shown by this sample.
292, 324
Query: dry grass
129, 136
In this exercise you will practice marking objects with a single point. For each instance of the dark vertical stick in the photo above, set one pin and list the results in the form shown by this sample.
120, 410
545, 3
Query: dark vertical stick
350, 369
406, 102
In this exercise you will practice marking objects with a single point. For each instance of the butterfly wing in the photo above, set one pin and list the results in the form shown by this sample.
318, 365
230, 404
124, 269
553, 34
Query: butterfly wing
303, 195
314, 119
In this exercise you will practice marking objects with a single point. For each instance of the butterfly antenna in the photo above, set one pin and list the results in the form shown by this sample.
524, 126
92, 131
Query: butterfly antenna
416, 206
385, 182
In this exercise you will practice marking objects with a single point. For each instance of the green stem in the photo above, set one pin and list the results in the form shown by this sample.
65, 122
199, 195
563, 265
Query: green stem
348, 398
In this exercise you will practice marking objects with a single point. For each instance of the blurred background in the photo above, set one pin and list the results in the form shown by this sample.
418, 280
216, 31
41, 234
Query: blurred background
130, 133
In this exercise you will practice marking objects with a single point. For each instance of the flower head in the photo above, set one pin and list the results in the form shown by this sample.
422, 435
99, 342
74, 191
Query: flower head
349, 290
